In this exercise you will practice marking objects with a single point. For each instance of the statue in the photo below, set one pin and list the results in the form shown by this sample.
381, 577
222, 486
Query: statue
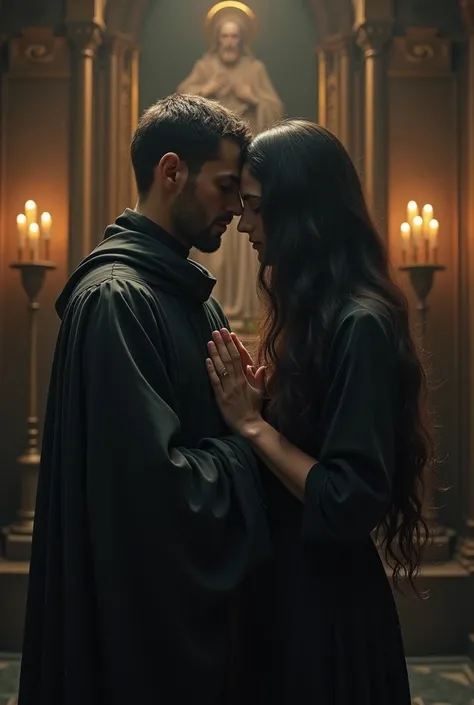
230, 73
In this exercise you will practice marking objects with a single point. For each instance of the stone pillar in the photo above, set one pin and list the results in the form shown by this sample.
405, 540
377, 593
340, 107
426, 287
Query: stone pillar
117, 116
346, 112
134, 109
109, 130
85, 38
466, 545
322, 86
373, 38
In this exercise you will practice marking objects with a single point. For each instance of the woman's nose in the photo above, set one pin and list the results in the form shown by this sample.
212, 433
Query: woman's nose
243, 226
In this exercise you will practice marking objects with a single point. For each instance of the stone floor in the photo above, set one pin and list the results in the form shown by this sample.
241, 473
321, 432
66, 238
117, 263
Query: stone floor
434, 682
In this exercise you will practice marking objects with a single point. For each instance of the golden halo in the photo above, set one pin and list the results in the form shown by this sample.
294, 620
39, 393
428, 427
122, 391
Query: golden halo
232, 8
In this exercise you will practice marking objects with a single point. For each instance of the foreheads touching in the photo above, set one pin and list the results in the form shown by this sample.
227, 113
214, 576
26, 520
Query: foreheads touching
187, 147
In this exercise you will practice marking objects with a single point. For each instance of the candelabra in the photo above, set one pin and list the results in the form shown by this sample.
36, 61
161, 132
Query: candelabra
420, 261
33, 273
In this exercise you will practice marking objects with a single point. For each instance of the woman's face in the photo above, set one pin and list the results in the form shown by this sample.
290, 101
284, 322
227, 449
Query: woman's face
251, 220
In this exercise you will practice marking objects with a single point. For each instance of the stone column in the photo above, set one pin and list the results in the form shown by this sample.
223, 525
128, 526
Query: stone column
466, 546
118, 82
109, 130
345, 81
322, 86
134, 109
85, 38
373, 38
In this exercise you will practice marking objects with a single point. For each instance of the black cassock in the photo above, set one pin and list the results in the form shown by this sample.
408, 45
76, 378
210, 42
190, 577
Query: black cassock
145, 531
329, 626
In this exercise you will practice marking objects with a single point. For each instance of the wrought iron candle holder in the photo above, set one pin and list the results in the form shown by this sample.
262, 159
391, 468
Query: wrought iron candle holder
18, 536
422, 279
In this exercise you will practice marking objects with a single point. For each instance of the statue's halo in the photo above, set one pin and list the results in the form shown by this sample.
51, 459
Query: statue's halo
232, 10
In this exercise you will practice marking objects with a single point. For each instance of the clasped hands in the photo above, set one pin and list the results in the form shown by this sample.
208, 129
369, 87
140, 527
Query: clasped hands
238, 386
222, 83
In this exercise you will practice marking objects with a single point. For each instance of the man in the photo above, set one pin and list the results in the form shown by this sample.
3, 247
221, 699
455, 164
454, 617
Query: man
230, 73
148, 515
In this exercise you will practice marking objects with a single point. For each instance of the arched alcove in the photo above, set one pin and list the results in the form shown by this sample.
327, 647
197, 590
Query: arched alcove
331, 16
285, 42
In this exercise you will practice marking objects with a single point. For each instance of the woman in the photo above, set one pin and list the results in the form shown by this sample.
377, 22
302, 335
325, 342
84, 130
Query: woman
343, 438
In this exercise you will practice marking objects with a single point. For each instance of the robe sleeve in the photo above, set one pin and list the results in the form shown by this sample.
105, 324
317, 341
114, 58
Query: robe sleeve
197, 79
270, 107
197, 511
348, 491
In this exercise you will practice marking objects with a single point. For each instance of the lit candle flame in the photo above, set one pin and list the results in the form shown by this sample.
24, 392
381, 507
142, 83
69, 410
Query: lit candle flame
412, 211
46, 222
31, 212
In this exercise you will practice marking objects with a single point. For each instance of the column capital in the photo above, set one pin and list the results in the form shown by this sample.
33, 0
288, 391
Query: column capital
467, 10
372, 37
86, 37
342, 43
116, 41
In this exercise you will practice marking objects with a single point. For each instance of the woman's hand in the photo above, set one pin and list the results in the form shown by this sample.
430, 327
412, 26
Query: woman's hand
239, 391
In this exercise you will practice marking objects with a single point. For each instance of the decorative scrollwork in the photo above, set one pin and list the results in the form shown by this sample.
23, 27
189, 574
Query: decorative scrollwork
39, 53
416, 53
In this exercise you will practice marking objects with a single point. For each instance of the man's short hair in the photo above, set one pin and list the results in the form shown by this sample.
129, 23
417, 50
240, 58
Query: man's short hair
188, 125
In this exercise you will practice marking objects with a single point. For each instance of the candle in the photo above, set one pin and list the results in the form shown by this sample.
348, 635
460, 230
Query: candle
46, 223
412, 211
405, 232
417, 228
427, 214
433, 238
22, 229
33, 240
31, 212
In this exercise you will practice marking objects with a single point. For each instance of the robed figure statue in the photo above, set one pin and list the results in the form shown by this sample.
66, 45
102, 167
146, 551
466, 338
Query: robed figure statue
229, 73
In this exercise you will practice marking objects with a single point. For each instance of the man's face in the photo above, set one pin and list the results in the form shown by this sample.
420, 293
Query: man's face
203, 210
229, 43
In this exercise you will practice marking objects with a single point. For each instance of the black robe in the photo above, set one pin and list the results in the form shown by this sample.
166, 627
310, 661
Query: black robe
149, 514
329, 625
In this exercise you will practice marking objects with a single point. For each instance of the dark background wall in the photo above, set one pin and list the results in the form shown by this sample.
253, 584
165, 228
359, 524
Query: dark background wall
173, 38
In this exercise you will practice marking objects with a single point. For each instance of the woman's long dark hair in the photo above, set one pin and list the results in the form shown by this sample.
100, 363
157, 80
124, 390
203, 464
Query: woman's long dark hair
322, 250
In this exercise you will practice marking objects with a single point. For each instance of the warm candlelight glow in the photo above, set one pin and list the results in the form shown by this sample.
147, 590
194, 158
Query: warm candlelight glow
412, 211
420, 235
427, 212
46, 222
417, 226
433, 240
33, 240
31, 212
22, 230
405, 232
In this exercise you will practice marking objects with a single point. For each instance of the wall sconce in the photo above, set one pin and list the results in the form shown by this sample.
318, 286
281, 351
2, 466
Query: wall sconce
420, 259
34, 241
419, 235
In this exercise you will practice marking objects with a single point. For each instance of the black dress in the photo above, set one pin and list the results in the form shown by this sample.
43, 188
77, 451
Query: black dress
330, 629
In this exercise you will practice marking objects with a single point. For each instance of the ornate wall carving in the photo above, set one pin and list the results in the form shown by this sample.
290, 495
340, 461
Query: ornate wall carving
420, 53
